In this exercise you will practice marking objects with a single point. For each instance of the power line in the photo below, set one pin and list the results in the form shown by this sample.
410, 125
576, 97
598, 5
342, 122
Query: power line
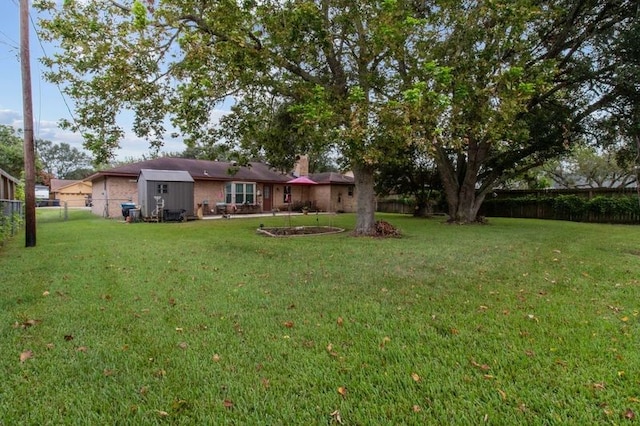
45, 55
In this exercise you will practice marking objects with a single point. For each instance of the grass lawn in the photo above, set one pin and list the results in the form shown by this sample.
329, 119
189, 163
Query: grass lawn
515, 322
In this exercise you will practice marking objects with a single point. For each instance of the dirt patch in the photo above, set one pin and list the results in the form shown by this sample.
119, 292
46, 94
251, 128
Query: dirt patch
295, 231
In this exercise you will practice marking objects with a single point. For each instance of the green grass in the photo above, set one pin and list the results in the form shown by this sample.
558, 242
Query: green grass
515, 322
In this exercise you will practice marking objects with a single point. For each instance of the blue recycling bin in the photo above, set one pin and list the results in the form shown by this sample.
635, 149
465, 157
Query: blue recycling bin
126, 207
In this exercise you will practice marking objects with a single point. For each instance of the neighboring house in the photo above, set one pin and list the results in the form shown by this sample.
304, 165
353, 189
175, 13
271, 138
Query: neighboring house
8, 186
75, 193
222, 187
10, 206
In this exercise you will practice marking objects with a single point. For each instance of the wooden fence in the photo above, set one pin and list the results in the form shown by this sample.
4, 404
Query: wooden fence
394, 206
599, 205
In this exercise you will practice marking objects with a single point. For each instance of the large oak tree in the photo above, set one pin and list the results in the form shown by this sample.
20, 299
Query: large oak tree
490, 88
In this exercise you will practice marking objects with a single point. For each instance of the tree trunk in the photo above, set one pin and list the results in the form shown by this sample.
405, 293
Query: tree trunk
459, 181
365, 197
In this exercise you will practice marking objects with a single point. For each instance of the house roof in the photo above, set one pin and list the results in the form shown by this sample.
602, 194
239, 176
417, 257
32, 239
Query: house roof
329, 178
166, 175
199, 170
56, 184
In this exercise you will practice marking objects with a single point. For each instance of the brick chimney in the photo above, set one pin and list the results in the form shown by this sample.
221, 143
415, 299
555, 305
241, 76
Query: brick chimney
301, 168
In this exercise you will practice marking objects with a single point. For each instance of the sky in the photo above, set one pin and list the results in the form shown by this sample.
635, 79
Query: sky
49, 104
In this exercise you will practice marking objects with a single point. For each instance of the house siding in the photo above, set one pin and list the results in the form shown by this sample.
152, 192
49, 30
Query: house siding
109, 192
211, 192
333, 198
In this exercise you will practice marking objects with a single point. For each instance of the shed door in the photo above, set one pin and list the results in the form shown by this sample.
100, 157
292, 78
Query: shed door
266, 197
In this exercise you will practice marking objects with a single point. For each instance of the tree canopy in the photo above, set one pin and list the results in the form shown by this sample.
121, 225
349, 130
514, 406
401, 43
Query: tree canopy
489, 89
63, 161
11, 151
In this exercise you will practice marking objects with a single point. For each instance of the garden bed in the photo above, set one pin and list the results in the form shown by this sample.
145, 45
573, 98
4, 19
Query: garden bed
296, 231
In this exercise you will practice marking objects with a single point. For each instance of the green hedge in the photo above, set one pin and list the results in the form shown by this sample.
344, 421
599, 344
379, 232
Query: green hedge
8, 226
568, 207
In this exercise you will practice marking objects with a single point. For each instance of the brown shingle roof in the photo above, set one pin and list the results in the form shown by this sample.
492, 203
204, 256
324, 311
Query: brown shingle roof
331, 178
199, 170
56, 184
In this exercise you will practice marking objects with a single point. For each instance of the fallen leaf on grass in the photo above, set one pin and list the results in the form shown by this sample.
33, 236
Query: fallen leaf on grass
483, 367
385, 340
415, 377
340, 321
68, 337
598, 386
288, 324
108, 372
336, 417
162, 413
265, 383
215, 358
342, 391
27, 323
416, 408
629, 414
45, 293
503, 394
183, 345
82, 349
331, 351
227, 403
26, 355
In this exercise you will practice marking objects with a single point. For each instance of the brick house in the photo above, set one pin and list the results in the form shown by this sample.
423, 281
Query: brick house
75, 193
222, 186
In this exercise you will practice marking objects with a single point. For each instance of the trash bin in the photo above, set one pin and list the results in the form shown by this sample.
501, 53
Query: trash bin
134, 214
126, 207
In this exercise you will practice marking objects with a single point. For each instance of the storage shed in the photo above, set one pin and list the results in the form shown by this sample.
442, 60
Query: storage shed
164, 193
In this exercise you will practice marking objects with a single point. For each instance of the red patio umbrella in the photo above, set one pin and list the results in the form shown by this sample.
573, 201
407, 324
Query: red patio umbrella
301, 181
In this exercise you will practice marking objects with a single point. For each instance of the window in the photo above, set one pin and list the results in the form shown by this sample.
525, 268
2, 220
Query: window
287, 194
163, 188
350, 193
240, 193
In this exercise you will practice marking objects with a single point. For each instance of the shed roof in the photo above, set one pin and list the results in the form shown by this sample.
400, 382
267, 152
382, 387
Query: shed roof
165, 175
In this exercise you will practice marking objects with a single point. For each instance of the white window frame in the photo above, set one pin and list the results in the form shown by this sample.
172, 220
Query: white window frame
231, 196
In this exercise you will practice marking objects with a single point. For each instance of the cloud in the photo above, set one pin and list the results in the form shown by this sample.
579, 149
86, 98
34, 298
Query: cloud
10, 118
131, 146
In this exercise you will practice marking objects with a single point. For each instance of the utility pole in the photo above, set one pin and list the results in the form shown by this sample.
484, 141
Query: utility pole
27, 108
